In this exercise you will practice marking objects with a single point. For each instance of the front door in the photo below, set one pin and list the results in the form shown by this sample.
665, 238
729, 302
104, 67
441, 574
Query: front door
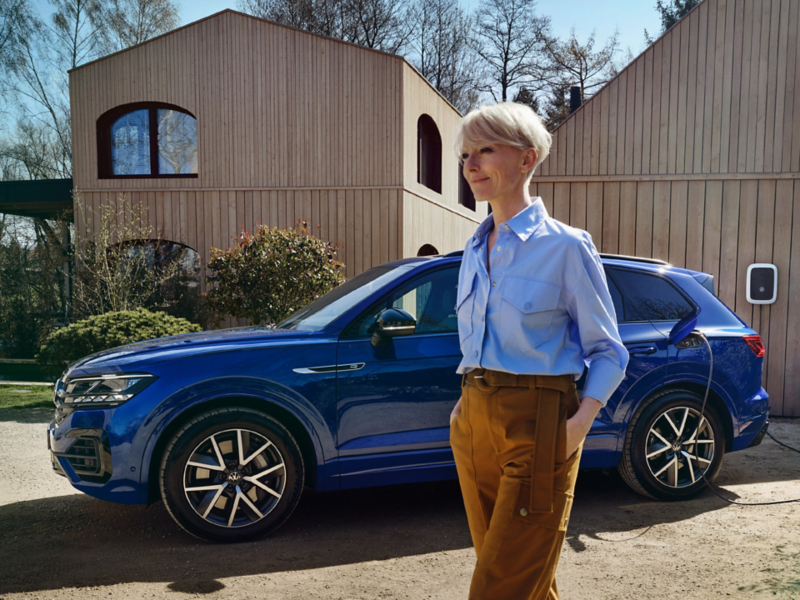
394, 402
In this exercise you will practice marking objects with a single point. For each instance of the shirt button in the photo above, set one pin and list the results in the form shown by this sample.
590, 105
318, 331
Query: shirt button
499, 248
506, 226
494, 284
475, 353
523, 512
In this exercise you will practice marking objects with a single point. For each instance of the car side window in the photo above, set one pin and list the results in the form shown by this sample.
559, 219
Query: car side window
647, 297
430, 299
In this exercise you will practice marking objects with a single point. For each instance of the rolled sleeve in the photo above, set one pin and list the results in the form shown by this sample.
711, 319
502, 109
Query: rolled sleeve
592, 310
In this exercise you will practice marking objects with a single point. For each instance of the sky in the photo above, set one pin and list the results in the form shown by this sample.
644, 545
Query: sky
631, 17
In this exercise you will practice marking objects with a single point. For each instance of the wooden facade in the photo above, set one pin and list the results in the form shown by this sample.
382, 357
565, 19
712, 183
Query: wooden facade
692, 155
290, 125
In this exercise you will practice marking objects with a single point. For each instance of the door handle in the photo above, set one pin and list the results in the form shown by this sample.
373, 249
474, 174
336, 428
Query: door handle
641, 350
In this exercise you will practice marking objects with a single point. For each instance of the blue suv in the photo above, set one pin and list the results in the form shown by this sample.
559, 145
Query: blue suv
355, 390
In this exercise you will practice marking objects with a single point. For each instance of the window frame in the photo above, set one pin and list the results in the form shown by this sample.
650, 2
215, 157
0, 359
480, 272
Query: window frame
105, 167
611, 273
351, 332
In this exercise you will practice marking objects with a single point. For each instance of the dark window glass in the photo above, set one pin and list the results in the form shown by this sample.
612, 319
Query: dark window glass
429, 154
649, 297
130, 144
465, 197
430, 299
177, 142
616, 298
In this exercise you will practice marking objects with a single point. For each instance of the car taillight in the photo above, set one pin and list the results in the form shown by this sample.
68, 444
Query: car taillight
754, 343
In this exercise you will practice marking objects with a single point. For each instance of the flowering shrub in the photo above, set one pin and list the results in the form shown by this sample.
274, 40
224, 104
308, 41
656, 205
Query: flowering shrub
270, 273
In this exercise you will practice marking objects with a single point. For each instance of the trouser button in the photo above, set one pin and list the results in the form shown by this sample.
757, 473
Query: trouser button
523, 512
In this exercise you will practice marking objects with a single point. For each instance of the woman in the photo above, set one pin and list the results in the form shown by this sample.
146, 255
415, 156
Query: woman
533, 305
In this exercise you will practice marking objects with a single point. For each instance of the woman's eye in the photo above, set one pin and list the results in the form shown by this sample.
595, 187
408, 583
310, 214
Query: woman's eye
484, 150
464, 156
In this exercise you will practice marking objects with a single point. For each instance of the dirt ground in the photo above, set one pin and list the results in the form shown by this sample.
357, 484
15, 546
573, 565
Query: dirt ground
402, 542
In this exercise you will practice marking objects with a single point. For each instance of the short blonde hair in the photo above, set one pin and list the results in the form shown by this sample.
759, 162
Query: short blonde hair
505, 123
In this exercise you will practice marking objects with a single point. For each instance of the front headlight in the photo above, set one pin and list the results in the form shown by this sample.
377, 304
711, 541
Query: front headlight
102, 389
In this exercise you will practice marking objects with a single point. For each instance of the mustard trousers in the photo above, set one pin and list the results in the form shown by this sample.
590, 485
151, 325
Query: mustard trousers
509, 441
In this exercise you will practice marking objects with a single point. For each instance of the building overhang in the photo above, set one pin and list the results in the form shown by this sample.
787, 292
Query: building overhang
41, 198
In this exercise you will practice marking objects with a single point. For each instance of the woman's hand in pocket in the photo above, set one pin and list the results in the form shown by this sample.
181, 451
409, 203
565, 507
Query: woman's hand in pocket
580, 423
456, 410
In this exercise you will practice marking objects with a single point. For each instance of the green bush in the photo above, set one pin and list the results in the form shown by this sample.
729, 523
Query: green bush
102, 332
271, 273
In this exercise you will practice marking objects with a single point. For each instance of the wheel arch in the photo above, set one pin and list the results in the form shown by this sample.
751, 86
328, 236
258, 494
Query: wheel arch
309, 446
715, 400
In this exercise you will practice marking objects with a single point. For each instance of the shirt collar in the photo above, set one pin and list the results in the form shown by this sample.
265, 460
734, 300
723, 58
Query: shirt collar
524, 223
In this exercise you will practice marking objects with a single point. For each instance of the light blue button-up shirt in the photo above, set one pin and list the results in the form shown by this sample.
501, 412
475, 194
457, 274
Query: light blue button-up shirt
545, 309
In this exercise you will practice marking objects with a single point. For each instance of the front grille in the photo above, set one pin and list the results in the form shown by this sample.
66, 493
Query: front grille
84, 457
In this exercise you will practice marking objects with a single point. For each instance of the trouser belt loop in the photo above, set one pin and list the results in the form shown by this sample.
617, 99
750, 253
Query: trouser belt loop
544, 451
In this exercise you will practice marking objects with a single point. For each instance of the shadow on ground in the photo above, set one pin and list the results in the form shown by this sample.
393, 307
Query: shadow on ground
77, 541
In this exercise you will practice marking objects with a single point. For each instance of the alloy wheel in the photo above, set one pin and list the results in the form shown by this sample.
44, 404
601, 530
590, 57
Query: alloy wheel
234, 478
680, 447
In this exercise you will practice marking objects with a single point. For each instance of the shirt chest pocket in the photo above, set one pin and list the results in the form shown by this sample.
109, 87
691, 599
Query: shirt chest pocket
527, 312
465, 305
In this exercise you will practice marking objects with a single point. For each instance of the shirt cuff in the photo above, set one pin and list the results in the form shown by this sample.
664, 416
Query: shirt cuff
602, 380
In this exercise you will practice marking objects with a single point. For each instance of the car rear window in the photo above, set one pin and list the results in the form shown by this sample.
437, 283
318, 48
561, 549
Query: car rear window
645, 297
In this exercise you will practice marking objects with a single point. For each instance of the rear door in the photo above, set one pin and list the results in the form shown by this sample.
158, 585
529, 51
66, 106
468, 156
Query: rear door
648, 358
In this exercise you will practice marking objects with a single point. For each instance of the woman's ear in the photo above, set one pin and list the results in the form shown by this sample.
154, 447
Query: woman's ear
528, 159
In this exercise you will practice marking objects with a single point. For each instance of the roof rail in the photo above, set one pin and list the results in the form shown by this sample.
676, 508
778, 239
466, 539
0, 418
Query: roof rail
652, 261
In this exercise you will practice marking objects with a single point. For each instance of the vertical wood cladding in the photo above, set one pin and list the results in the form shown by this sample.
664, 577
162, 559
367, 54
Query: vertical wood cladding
692, 155
717, 226
717, 93
275, 107
290, 126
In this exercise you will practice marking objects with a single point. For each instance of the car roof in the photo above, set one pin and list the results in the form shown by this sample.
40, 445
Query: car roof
653, 265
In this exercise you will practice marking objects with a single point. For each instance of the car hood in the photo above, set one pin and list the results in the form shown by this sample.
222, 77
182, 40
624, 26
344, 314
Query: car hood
179, 346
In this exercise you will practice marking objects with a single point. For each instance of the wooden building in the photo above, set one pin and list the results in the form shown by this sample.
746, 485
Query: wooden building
692, 155
261, 123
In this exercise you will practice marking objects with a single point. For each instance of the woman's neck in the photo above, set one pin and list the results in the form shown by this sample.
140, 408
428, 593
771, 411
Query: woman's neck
506, 208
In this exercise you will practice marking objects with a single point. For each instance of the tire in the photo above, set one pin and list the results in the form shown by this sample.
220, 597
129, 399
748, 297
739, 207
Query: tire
658, 459
231, 474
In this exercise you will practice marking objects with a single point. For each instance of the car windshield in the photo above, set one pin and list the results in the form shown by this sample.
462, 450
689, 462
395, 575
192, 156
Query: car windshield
324, 310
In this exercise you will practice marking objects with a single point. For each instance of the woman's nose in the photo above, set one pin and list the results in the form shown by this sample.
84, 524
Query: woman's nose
470, 163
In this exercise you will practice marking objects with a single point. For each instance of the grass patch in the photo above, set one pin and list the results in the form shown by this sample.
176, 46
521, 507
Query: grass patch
26, 396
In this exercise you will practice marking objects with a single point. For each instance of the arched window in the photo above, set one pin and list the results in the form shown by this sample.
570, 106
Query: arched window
429, 154
465, 196
147, 139
427, 250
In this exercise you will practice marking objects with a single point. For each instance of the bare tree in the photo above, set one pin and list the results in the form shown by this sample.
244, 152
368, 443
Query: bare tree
379, 24
580, 65
131, 22
510, 38
32, 153
442, 53
16, 23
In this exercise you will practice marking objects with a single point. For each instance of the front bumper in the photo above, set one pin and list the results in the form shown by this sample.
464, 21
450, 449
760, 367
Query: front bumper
87, 457
101, 450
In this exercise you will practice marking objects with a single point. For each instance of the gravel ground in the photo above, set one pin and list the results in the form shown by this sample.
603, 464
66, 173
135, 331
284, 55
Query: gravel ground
401, 542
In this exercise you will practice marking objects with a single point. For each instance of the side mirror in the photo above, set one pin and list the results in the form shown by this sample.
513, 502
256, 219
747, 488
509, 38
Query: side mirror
391, 323
684, 327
